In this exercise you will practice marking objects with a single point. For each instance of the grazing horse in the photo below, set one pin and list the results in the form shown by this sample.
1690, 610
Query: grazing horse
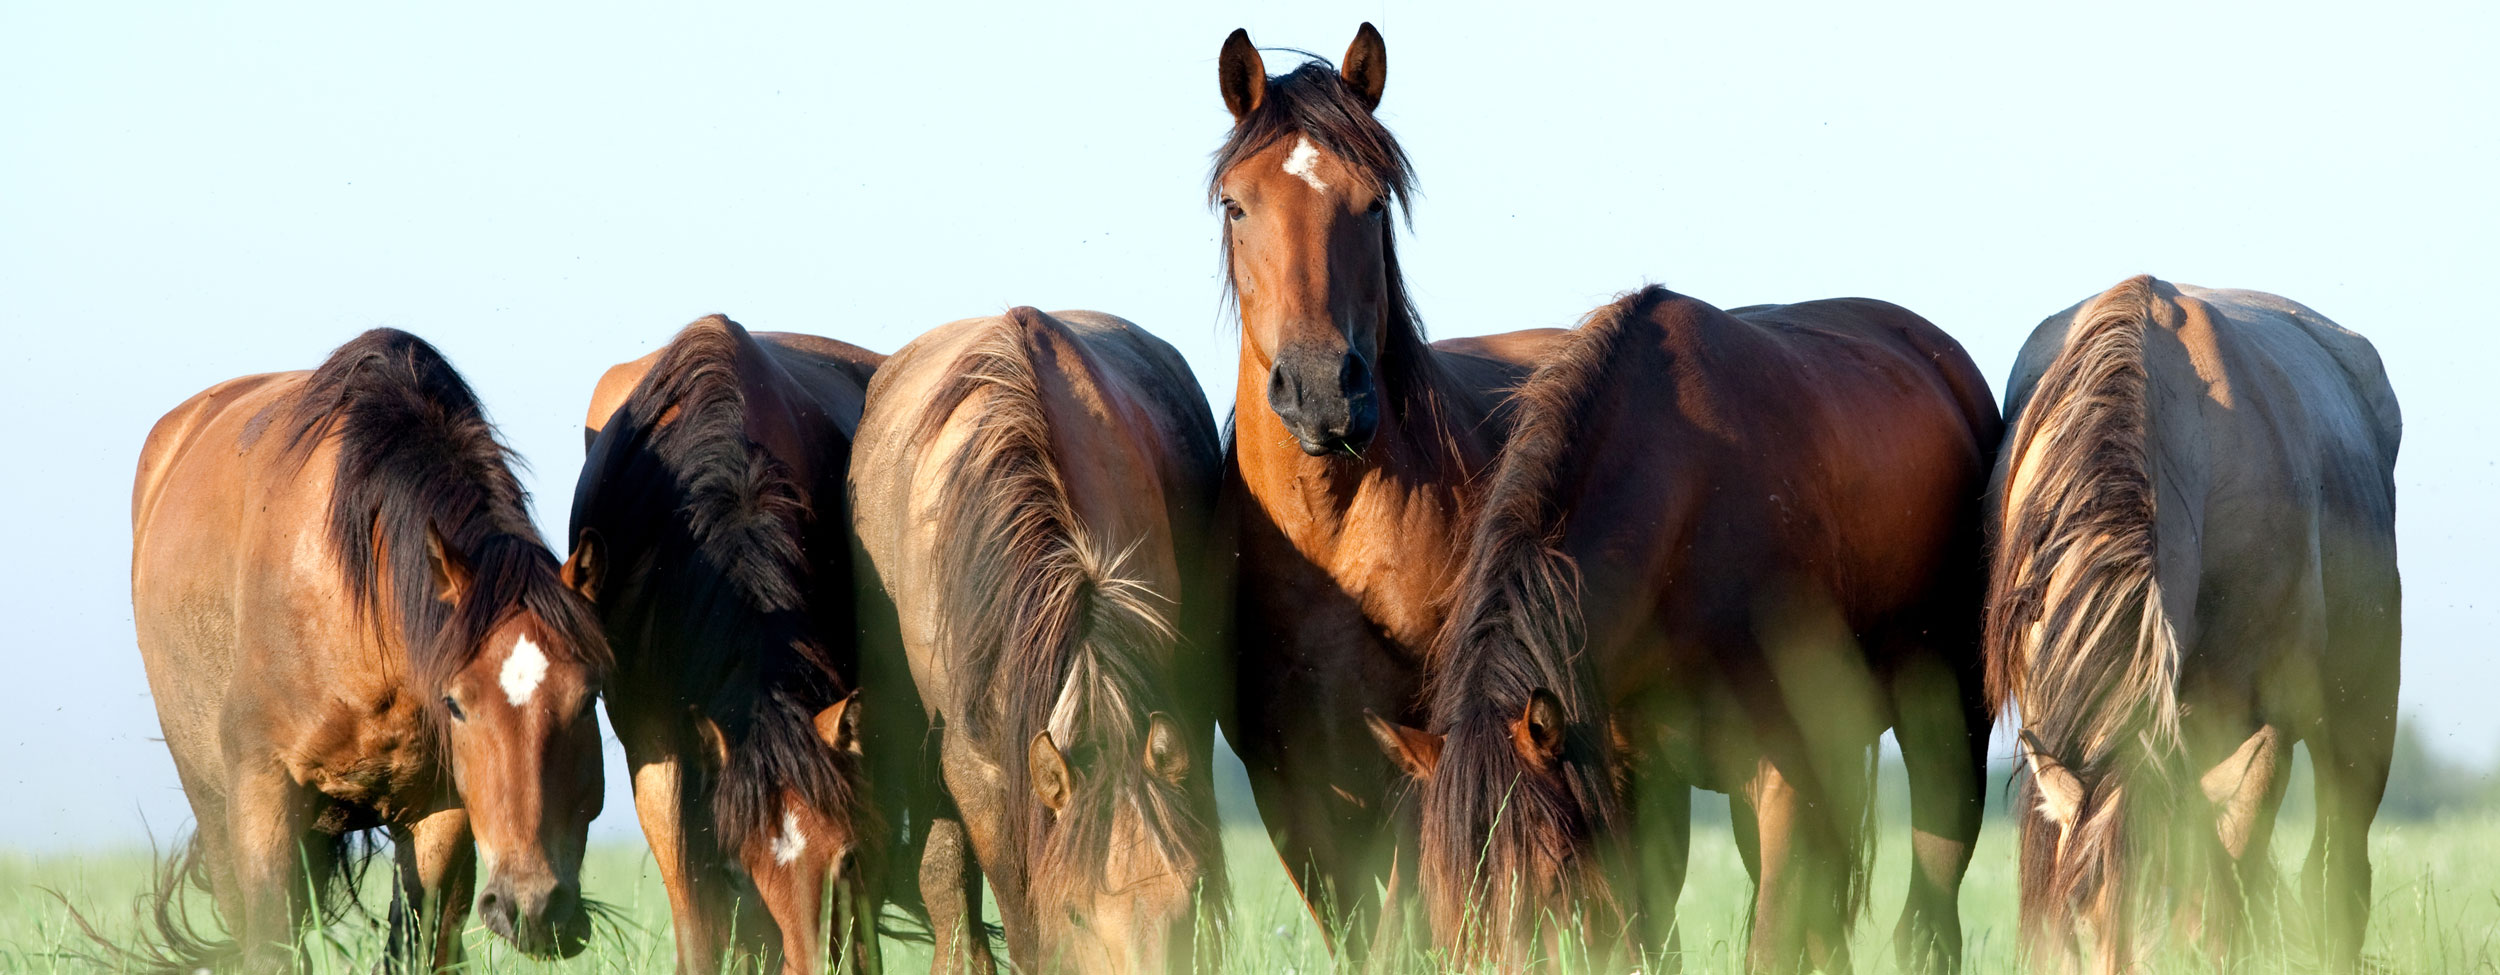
349, 622
711, 532
1356, 448
1035, 494
1726, 550
2195, 568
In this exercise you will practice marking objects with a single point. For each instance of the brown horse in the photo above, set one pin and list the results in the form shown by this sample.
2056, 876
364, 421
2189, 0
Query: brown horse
1723, 550
711, 531
1035, 493
2195, 569
349, 622
1349, 483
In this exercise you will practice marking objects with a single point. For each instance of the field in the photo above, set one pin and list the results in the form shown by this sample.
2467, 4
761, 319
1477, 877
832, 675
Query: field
2437, 892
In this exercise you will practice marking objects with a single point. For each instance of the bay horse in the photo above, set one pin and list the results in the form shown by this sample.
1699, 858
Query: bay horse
1726, 550
711, 531
349, 622
1035, 494
1356, 449
2195, 569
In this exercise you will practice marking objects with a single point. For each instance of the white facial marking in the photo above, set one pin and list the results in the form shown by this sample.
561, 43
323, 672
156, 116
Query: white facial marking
522, 671
1304, 162
791, 842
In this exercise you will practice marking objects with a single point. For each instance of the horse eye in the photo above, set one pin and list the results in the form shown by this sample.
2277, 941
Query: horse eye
1075, 920
1232, 210
454, 707
1380, 204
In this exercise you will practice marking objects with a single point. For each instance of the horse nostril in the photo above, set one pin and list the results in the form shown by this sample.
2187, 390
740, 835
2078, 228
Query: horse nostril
1354, 376
492, 907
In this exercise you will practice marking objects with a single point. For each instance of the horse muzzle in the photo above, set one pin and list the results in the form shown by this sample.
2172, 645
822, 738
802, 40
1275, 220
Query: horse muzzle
543, 919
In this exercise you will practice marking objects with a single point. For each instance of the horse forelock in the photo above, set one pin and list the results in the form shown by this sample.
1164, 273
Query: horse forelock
416, 458
1052, 630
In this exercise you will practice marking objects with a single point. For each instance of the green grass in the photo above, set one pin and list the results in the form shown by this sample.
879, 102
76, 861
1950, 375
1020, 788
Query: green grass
2437, 893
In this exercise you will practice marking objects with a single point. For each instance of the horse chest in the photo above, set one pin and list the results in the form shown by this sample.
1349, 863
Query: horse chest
377, 756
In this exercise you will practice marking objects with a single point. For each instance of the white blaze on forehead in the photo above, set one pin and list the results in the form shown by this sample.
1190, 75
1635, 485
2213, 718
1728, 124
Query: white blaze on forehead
791, 842
522, 670
1304, 162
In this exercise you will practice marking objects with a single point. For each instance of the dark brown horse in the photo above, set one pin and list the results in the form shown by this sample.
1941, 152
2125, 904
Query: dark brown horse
349, 622
2195, 569
1356, 445
1723, 550
1035, 494
711, 531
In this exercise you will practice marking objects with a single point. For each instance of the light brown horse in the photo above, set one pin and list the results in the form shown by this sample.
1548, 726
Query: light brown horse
1726, 550
1355, 449
1035, 494
349, 622
2195, 569
710, 529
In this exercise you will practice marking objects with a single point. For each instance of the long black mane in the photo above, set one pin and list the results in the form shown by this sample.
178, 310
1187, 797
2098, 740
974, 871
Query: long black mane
417, 456
712, 591
1315, 101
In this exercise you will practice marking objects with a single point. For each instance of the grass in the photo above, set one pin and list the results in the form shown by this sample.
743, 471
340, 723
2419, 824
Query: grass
2437, 894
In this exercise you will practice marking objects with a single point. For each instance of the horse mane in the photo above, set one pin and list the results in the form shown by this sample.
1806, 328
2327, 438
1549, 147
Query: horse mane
1315, 101
416, 454
1515, 627
1050, 633
2076, 630
741, 513
742, 505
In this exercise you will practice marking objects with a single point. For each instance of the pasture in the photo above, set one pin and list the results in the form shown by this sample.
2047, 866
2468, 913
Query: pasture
2437, 898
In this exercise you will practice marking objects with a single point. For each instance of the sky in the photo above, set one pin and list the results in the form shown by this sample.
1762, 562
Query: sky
194, 192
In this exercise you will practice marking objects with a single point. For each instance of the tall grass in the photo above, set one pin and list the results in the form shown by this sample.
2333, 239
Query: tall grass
2437, 894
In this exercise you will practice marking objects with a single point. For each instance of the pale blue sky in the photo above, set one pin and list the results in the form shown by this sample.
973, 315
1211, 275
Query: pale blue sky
188, 194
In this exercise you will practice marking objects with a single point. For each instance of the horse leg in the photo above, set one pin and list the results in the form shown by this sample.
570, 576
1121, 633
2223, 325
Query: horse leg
1941, 718
270, 837
1801, 899
2350, 755
950, 884
436, 861
663, 808
1662, 824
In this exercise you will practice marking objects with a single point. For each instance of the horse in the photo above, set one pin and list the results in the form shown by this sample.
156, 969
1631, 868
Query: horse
1724, 549
1350, 482
348, 622
1035, 495
2195, 569
710, 530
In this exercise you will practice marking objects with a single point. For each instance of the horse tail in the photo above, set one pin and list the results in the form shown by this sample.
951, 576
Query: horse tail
2077, 634
169, 942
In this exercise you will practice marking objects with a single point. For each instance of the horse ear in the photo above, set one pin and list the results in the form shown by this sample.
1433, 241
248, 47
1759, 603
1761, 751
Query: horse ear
838, 724
2061, 794
1167, 753
1241, 74
451, 578
1414, 749
1367, 64
1538, 731
584, 566
715, 744
1050, 772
